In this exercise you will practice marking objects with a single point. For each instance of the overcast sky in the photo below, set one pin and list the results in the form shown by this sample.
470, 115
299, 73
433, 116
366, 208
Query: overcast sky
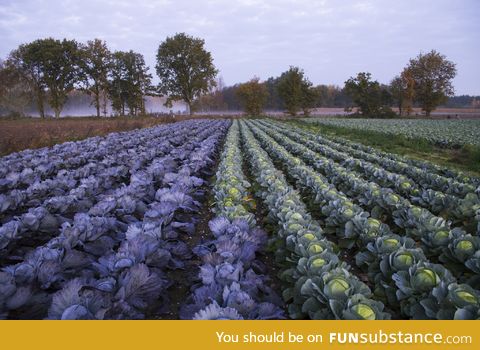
330, 40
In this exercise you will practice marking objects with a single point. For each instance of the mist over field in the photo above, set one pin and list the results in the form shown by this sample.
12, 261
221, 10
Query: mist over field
82, 106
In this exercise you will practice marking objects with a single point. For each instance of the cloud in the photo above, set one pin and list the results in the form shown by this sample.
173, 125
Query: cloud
331, 40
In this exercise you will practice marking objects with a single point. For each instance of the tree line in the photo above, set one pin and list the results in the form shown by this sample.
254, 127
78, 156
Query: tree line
227, 98
425, 82
47, 71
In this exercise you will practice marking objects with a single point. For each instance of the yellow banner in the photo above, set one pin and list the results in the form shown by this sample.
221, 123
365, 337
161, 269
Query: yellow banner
346, 335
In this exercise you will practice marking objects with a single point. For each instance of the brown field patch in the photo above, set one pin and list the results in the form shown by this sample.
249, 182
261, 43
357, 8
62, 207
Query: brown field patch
20, 134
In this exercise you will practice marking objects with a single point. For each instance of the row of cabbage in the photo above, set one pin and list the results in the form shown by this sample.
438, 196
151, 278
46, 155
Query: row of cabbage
98, 235
113, 165
112, 261
425, 172
94, 188
22, 169
452, 246
445, 132
232, 282
433, 173
398, 270
445, 197
317, 283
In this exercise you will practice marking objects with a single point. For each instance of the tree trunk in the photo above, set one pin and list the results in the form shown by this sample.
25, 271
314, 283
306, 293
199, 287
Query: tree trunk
40, 104
104, 103
57, 112
292, 111
97, 103
408, 107
189, 106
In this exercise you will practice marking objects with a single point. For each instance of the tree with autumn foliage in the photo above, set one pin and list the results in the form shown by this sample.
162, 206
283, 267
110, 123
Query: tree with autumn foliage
253, 96
432, 74
402, 89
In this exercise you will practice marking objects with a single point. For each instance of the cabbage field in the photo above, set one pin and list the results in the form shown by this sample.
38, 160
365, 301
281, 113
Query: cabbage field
443, 132
243, 219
